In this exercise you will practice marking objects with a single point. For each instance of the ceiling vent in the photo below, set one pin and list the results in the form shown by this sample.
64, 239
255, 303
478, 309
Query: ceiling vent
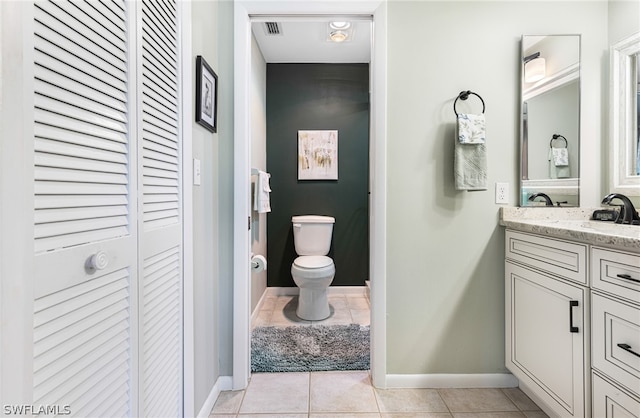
272, 28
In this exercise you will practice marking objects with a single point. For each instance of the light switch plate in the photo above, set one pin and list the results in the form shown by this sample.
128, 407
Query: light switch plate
196, 171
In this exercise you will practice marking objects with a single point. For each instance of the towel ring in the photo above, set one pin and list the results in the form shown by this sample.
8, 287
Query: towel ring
556, 136
464, 95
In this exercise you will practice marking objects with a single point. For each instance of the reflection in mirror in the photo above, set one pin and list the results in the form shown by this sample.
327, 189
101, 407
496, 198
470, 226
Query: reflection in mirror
550, 124
625, 116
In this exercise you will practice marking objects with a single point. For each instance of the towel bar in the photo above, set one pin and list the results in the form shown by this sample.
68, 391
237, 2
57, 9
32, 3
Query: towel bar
557, 136
464, 95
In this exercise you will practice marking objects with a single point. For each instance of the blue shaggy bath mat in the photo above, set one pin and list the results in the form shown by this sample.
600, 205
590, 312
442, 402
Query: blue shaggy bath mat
310, 348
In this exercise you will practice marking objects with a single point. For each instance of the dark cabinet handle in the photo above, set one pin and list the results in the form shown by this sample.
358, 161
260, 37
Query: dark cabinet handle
627, 347
572, 304
627, 277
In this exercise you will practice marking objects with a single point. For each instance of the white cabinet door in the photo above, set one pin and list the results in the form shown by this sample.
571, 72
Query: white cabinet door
546, 331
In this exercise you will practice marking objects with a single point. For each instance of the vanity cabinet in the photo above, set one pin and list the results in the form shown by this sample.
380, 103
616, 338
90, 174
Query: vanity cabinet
615, 318
573, 325
547, 323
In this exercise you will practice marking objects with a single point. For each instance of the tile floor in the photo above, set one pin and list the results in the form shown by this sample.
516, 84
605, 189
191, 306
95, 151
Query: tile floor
347, 308
350, 394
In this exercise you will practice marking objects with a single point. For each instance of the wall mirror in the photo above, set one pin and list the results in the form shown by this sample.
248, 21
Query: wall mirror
625, 116
550, 120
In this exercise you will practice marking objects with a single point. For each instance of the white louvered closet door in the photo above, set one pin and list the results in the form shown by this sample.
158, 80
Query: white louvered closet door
85, 205
160, 223
108, 302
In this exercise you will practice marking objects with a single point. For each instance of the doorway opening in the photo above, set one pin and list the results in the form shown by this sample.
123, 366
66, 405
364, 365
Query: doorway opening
246, 128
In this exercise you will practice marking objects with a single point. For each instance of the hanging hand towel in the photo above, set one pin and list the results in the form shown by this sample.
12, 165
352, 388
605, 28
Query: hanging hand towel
470, 156
261, 201
471, 128
560, 157
559, 167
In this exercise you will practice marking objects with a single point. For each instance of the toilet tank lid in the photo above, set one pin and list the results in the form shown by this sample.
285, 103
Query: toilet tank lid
313, 219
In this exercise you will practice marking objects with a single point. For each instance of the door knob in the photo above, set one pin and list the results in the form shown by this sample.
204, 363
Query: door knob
98, 261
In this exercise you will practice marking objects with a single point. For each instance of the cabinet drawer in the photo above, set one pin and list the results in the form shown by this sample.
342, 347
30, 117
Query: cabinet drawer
563, 258
616, 340
616, 272
611, 402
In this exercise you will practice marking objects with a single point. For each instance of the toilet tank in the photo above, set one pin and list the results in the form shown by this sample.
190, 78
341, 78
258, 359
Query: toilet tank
312, 234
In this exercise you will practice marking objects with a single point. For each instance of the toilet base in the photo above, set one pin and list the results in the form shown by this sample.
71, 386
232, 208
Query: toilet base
313, 304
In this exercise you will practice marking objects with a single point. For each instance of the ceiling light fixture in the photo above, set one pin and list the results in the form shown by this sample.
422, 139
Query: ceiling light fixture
338, 36
340, 25
534, 68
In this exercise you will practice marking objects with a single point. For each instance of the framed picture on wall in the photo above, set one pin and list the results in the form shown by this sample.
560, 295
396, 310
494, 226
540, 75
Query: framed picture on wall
318, 155
206, 95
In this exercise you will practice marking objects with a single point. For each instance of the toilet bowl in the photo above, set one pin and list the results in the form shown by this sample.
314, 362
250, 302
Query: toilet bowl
312, 270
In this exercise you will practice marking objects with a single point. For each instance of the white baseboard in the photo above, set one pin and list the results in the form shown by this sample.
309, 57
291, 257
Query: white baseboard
332, 290
420, 381
223, 383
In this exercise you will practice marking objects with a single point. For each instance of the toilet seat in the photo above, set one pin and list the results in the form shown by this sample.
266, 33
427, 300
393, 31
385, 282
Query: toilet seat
313, 267
313, 261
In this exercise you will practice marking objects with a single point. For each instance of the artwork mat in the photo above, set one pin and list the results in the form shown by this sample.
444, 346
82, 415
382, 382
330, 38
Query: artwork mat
318, 155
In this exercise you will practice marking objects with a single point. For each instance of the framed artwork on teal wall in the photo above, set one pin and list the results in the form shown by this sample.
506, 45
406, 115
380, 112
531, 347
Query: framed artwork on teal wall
318, 155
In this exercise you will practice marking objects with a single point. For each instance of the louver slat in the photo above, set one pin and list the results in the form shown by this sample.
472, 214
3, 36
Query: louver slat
116, 161
81, 151
63, 241
55, 202
59, 136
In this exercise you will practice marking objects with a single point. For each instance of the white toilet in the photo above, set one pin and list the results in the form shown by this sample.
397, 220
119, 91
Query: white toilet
312, 271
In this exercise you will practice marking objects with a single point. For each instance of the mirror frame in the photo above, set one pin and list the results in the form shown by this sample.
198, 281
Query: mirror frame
623, 123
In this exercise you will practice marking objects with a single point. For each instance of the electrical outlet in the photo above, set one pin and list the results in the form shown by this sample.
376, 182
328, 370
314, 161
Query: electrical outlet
502, 193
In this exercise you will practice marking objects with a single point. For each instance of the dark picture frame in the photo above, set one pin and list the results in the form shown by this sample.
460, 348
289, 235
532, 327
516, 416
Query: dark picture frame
206, 95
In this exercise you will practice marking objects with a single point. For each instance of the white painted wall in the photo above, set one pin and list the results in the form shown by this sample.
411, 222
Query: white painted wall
445, 259
212, 37
258, 160
205, 218
624, 19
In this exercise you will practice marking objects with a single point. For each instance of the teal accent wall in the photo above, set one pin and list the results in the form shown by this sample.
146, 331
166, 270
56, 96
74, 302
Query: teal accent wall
319, 97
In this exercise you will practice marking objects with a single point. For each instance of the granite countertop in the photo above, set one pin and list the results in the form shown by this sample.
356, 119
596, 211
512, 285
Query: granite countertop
572, 224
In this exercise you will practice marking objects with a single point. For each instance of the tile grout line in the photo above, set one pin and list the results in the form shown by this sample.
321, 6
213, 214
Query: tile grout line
446, 405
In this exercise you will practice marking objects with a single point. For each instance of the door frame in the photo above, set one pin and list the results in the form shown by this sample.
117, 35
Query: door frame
243, 10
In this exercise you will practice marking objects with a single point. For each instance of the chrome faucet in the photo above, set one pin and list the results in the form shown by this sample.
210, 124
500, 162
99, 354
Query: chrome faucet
628, 213
547, 199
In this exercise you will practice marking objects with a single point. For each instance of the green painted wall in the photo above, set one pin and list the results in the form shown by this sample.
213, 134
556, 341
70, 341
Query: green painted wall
319, 97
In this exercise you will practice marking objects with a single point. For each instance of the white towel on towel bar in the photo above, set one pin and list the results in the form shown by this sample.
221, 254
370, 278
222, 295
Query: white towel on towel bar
560, 157
470, 153
262, 189
559, 167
